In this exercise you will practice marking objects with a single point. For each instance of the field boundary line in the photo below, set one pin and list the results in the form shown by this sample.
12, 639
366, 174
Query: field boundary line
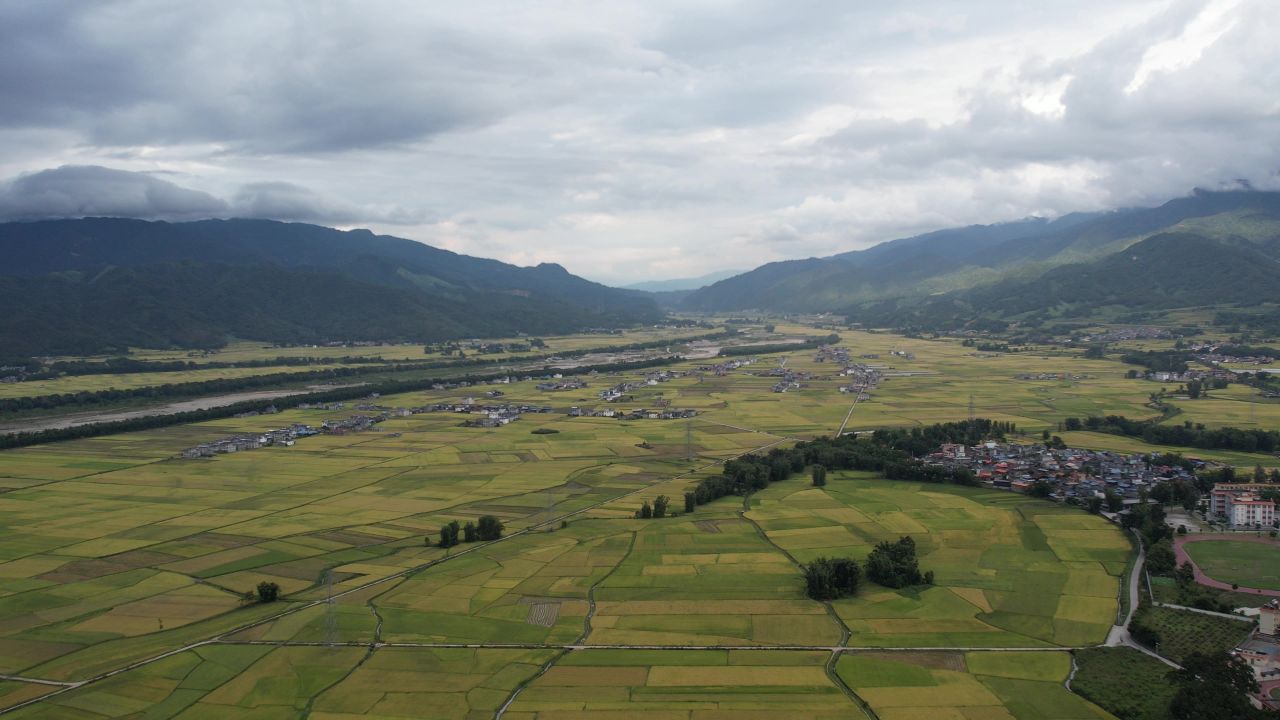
71, 685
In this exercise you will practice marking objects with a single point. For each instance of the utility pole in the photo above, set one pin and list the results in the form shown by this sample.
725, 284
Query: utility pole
330, 616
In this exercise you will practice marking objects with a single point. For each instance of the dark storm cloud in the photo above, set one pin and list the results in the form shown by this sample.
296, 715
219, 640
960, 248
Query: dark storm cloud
75, 191
291, 78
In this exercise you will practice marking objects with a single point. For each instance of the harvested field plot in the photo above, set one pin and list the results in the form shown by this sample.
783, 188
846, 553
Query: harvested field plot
619, 684
911, 686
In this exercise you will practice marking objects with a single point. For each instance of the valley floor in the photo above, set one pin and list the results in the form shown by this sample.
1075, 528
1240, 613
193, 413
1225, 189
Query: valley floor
124, 566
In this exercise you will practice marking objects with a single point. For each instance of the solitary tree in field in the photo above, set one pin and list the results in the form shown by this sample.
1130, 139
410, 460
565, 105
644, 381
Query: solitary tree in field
819, 475
470, 533
268, 592
645, 512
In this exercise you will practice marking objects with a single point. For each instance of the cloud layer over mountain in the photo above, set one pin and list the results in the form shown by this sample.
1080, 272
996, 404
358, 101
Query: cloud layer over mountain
633, 140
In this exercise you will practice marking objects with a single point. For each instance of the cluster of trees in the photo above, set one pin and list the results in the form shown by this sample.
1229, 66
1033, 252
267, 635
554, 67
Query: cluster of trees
1214, 686
891, 564
1148, 520
831, 578
894, 564
1159, 360
487, 528
268, 592
894, 453
1186, 434
657, 510
812, 342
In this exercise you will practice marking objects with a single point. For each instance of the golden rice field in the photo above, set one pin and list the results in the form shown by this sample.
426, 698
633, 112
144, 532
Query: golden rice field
115, 552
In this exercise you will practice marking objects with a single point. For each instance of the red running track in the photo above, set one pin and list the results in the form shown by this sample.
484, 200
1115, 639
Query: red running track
1183, 557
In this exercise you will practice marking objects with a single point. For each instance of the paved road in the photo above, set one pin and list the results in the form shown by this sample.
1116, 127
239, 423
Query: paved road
1119, 635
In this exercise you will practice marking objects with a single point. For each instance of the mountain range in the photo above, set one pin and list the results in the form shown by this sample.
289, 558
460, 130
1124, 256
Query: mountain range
1210, 248
103, 284
679, 284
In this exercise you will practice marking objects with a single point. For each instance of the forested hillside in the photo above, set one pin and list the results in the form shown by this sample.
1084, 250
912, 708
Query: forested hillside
98, 284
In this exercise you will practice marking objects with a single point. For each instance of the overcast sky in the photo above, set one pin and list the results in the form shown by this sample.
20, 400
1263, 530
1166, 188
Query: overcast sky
632, 141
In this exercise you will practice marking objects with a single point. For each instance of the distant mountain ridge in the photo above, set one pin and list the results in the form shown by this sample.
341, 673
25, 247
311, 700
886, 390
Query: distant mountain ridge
948, 263
679, 284
106, 283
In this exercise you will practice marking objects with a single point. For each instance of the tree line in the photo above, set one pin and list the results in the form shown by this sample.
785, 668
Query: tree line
1186, 434
893, 452
485, 529
809, 343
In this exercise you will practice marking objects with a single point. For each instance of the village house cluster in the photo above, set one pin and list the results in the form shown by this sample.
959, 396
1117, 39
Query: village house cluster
1208, 354
788, 379
1070, 472
622, 391
284, 437
1131, 333
1189, 375
557, 384
724, 368
483, 347
636, 414
483, 415
862, 379
1240, 506
12, 373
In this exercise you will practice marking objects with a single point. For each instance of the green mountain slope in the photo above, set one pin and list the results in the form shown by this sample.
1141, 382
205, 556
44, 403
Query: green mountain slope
979, 255
96, 284
1168, 270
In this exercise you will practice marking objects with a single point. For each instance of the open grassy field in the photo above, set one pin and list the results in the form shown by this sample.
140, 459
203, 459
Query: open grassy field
114, 551
1243, 563
247, 350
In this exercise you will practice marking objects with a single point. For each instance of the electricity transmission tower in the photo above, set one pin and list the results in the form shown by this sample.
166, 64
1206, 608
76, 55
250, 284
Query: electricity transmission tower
330, 615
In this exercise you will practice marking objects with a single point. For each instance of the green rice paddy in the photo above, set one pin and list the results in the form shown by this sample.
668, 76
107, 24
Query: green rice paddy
113, 551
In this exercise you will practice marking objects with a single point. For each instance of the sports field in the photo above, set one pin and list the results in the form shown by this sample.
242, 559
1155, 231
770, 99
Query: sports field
115, 552
1248, 564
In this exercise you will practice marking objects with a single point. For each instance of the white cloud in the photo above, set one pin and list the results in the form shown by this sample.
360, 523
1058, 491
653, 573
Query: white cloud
636, 140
